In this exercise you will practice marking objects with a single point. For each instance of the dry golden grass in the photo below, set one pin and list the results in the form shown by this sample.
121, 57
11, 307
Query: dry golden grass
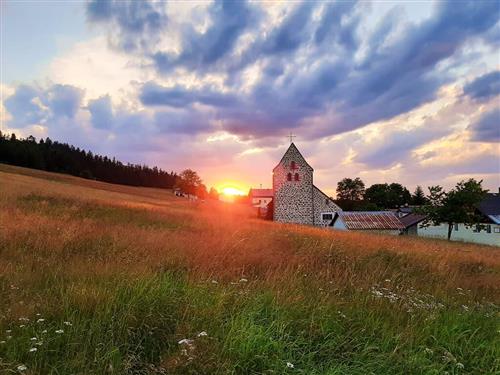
67, 239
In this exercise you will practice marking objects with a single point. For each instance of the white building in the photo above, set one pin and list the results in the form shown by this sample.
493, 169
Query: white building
488, 232
260, 197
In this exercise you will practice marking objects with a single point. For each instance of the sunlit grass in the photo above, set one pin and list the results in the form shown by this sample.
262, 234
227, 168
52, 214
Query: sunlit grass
98, 279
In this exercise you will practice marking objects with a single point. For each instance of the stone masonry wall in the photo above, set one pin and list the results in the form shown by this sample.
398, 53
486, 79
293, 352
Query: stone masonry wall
322, 203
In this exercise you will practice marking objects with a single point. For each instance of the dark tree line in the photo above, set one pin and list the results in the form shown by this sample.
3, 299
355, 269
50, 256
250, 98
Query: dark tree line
59, 157
352, 196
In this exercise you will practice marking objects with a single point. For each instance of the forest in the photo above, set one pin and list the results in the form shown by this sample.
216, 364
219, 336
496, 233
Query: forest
59, 157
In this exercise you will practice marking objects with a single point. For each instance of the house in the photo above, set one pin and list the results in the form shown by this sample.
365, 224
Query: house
295, 197
411, 222
260, 197
487, 232
386, 222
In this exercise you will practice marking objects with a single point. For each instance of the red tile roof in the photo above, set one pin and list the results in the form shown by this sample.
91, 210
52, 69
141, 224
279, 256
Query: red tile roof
261, 193
370, 220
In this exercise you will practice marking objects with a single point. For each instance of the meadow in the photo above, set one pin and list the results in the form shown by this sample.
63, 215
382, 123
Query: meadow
106, 279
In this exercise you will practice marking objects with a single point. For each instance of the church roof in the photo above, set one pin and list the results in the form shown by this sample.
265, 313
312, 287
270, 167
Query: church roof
290, 149
367, 220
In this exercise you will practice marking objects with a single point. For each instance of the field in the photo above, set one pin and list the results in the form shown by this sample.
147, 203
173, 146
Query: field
106, 279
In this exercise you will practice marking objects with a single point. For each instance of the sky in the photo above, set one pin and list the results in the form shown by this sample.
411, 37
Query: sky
386, 91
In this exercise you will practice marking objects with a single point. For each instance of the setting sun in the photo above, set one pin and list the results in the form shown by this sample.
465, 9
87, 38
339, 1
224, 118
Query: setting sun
231, 190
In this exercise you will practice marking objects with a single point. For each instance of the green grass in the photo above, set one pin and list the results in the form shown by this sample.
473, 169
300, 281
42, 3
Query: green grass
127, 281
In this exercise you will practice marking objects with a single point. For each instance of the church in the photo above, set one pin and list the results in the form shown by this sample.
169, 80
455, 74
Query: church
295, 197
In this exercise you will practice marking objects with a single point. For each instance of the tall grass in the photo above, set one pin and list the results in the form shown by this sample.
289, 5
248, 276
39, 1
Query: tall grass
104, 279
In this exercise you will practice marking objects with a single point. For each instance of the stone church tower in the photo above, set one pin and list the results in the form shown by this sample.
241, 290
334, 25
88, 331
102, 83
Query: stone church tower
296, 199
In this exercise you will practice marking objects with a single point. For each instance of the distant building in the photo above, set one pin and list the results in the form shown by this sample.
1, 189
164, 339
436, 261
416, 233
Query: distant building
296, 199
260, 197
411, 222
386, 222
487, 232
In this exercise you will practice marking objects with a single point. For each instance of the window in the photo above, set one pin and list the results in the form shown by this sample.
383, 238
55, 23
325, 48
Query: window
289, 176
477, 228
496, 230
293, 165
456, 226
327, 216
327, 202
297, 178
488, 228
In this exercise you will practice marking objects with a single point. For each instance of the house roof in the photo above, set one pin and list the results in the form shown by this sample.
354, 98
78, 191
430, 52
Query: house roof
261, 193
411, 219
490, 207
327, 197
359, 220
293, 147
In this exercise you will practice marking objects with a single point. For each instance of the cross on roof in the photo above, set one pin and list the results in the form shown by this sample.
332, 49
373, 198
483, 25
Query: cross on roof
291, 136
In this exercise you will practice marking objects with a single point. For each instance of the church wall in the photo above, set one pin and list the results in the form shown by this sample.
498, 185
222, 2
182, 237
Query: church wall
322, 204
293, 200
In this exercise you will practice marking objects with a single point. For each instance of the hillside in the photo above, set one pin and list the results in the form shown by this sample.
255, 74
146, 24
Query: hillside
98, 278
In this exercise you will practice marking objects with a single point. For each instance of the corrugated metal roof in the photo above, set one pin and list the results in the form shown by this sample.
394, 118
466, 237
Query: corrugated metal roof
261, 193
370, 220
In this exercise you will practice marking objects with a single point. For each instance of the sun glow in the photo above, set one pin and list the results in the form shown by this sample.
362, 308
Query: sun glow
231, 190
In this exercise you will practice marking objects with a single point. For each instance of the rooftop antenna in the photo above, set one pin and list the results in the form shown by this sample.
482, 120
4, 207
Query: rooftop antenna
291, 137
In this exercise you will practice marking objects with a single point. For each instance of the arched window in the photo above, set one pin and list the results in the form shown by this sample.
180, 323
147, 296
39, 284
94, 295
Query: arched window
289, 176
297, 177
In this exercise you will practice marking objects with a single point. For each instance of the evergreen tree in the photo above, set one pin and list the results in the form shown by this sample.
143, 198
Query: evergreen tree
418, 197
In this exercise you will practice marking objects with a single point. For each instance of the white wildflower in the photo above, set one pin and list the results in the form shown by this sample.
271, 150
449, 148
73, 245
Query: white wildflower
39, 343
185, 342
387, 280
290, 365
40, 320
9, 337
44, 331
202, 333
460, 365
2, 342
8, 331
22, 326
22, 368
243, 280
60, 331
68, 323
38, 314
32, 350
215, 282
429, 351
33, 339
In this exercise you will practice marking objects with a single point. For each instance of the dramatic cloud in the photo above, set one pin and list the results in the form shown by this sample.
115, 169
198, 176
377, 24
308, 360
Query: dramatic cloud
64, 100
229, 19
101, 112
138, 23
485, 87
24, 107
155, 95
213, 80
487, 129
